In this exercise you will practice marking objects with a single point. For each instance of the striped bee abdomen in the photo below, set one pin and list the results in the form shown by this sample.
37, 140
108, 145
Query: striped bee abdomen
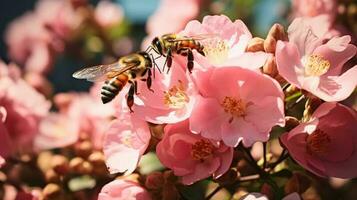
112, 87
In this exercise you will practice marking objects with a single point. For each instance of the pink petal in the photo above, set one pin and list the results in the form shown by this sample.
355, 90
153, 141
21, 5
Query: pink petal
206, 114
337, 52
337, 88
226, 161
202, 170
248, 60
288, 62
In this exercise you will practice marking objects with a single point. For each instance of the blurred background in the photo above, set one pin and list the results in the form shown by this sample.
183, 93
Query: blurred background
130, 30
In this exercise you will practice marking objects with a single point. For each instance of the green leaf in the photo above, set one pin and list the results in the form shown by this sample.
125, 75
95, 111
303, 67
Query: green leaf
149, 163
81, 183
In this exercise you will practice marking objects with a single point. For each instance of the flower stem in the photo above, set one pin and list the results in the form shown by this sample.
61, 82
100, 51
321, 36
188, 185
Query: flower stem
264, 155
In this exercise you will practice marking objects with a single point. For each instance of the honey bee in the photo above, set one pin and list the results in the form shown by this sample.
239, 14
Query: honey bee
130, 68
170, 44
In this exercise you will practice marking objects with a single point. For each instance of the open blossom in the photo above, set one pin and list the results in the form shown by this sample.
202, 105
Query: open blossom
225, 42
315, 67
22, 116
312, 8
30, 43
243, 107
56, 130
192, 156
172, 98
327, 144
125, 142
123, 190
108, 13
60, 16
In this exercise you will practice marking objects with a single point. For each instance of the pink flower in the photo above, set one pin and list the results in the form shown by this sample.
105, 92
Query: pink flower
170, 17
55, 131
192, 156
24, 106
312, 8
237, 105
327, 144
172, 99
108, 14
92, 117
2, 161
29, 43
123, 190
315, 67
59, 16
125, 142
226, 42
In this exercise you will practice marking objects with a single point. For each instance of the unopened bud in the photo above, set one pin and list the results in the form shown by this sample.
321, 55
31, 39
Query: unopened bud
255, 44
60, 164
75, 164
270, 68
52, 192
228, 178
42, 160
297, 183
277, 32
83, 148
270, 45
154, 180
97, 158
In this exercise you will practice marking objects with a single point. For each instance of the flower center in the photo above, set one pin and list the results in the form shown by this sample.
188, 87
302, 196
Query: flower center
233, 106
316, 65
216, 50
202, 150
126, 138
176, 97
318, 143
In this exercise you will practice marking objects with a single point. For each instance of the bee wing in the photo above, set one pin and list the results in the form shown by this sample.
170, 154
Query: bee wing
196, 37
102, 72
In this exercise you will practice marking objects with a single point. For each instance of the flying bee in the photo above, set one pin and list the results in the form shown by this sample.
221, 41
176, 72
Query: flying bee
170, 44
130, 68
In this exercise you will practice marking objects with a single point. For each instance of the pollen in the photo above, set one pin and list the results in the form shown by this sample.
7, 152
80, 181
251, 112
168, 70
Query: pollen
216, 50
318, 143
233, 106
176, 96
126, 138
202, 150
316, 65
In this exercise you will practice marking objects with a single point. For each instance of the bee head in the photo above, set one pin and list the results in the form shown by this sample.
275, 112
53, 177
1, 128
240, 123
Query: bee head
156, 44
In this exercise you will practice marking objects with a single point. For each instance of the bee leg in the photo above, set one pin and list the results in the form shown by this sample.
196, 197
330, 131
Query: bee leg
149, 81
130, 97
136, 87
189, 60
168, 61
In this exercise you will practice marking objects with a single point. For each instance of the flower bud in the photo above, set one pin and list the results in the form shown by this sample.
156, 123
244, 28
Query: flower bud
271, 69
42, 160
270, 44
60, 164
96, 158
277, 32
255, 44
83, 148
52, 192
154, 180
75, 164
297, 183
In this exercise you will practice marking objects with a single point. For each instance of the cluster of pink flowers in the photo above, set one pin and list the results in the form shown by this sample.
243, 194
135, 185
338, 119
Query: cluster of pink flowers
227, 100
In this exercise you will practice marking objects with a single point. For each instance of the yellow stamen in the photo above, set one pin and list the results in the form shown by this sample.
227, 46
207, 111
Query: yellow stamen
176, 97
233, 106
216, 50
202, 150
316, 65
